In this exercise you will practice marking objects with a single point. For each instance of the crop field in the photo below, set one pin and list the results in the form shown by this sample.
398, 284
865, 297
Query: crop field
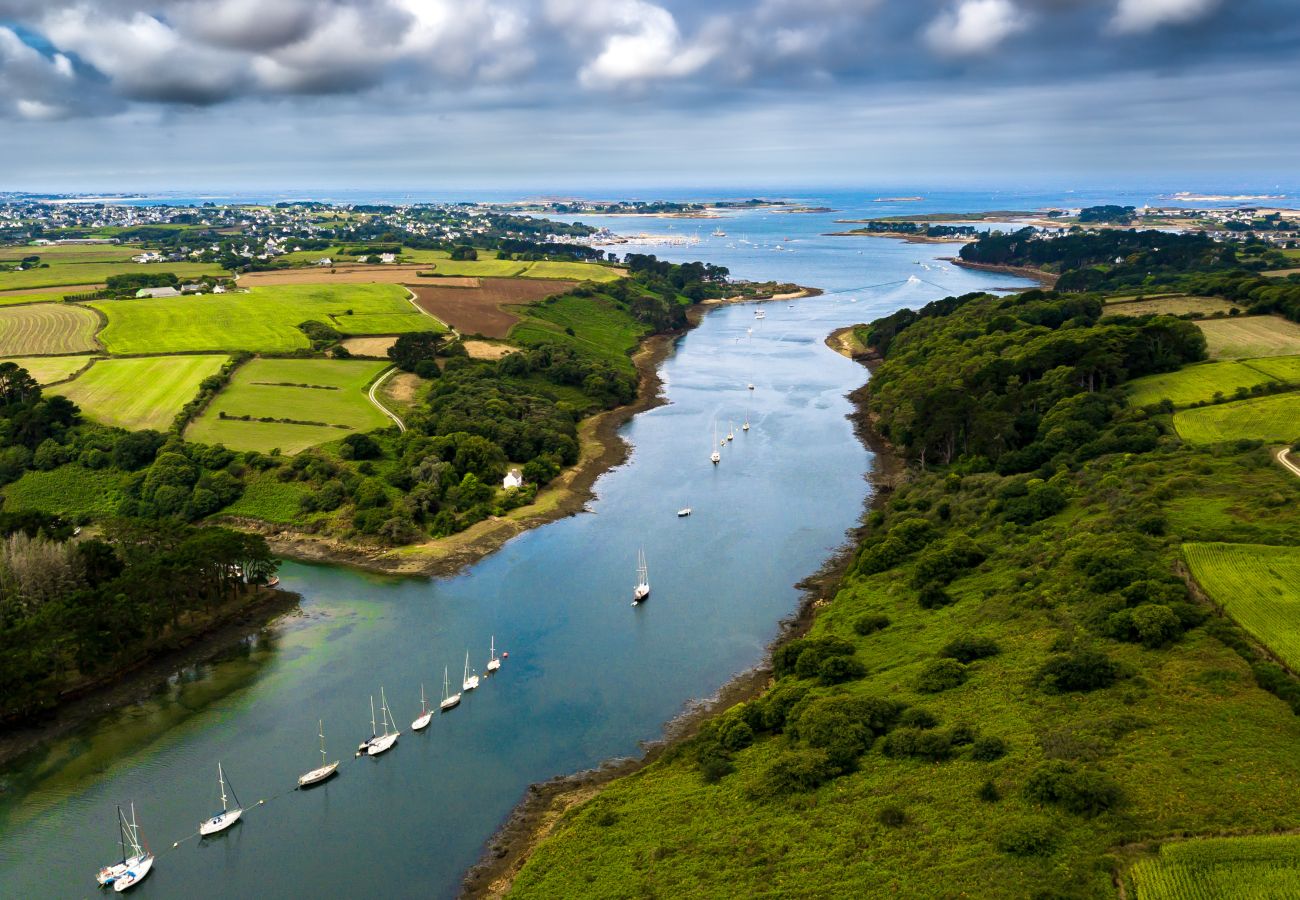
1259, 586
597, 328
1195, 383
47, 328
1241, 868
575, 271
346, 274
95, 273
264, 319
321, 399
45, 295
65, 254
369, 346
143, 392
479, 268
1275, 419
1283, 368
48, 369
1174, 305
68, 491
479, 310
1249, 336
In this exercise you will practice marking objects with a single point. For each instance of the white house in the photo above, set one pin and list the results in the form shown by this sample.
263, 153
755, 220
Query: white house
325, 261
197, 288
388, 258
514, 479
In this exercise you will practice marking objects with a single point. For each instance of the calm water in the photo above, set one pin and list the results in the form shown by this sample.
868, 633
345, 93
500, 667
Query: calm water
588, 676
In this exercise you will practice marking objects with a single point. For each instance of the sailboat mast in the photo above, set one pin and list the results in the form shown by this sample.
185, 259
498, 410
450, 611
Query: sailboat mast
320, 725
221, 780
373, 730
121, 832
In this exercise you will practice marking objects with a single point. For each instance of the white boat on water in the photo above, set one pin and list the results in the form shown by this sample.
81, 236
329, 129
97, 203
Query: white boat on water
136, 860
385, 741
760, 314
449, 701
715, 457
642, 589
426, 715
683, 512
469, 681
325, 770
718, 232
731, 432
229, 815
494, 661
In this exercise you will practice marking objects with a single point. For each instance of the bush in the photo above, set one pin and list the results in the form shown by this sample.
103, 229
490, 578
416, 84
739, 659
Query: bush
967, 649
778, 702
917, 718
794, 771
1082, 670
844, 727
947, 562
1036, 838
803, 656
925, 744
989, 792
734, 733
933, 596
870, 624
941, 675
892, 816
838, 669
1081, 791
987, 749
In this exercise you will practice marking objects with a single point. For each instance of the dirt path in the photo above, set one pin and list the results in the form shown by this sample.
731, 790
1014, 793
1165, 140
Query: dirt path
401, 426
1283, 456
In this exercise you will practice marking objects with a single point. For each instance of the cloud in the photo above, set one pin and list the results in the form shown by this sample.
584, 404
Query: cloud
1136, 16
639, 42
974, 27
37, 86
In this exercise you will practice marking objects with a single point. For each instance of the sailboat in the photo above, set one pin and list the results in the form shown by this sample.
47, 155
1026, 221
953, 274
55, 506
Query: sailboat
494, 661
426, 714
326, 770
718, 232
760, 314
731, 432
385, 741
449, 701
642, 589
136, 860
228, 816
715, 457
469, 681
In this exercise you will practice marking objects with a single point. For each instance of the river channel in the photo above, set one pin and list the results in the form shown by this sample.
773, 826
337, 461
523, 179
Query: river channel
588, 676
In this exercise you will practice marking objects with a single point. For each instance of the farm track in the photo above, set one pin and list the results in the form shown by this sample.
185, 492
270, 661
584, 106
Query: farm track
1283, 456
401, 426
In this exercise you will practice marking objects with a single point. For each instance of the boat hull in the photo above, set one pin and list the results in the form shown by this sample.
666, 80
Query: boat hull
469, 684
450, 703
382, 744
134, 875
493, 665
220, 823
316, 776
422, 722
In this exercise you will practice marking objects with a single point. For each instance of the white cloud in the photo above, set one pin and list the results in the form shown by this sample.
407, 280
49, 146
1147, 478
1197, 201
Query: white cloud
974, 27
639, 42
1136, 16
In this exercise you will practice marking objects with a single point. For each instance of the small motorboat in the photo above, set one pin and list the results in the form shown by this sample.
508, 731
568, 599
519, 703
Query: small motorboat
683, 512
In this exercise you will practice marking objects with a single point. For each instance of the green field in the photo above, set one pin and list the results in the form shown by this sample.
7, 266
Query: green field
572, 271
96, 273
1259, 586
75, 254
48, 369
1249, 336
19, 297
598, 327
269, 499
1193, 384
273, 388
1169, 305
47, 328
264, 319
1283, 368
1242, 868
68, 491
1275, 419
145, 392
493, 268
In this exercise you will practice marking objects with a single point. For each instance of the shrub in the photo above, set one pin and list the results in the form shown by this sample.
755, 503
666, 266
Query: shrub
794, 771
1156, 625
933, 596
838, 669
870, 624
989, 792
734, 733
947, 562
941, 675
926, 744
987, 749
1081, 791
892, 816
844, 727
1082, 670
1034, 838
803, 656
778, 702
967, 649
917, 718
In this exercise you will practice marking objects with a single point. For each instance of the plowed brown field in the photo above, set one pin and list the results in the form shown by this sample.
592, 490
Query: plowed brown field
478, 310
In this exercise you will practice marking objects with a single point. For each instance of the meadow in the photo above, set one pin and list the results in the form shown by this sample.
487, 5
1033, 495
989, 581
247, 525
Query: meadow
59, 274
49, 369
331, 393
1275, 419
1196, 383
1241, 868
270, 500
47, 328
1243, 337
264, 319
1172, 305
1259, 586
1283, 368
142, 392
598, 327
71, 254
70, 491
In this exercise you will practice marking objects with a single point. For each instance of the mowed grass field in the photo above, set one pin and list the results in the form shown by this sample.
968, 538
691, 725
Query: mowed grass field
1173, 305
1200, 382
325, 391
97, 272
597, 327
144, 392
1275, 419
44, 328
49, 369
1241, 868
71, 254
1259, 586
264, 319
1244, 337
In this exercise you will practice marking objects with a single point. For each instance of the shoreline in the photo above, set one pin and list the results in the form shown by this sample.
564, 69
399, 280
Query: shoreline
907, 236
545, 803
1046, 279
141, 680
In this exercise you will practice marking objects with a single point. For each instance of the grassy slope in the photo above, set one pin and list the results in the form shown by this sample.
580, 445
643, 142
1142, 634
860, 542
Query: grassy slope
97, 272
270, 500
1259, 586
256, 390
1275, 419
47, 328
598, 327
1249, 336
1193, 384
264, 319
145, 392
68, 491
1221, 869
47, 369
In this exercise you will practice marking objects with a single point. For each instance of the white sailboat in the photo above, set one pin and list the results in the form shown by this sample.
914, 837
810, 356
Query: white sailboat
642, 589
684, 512
468, 682
760, 314
715, 457
426, 715
731, 432
494, 661
136, 860
325, 770
385, 741
228, 815
449, 701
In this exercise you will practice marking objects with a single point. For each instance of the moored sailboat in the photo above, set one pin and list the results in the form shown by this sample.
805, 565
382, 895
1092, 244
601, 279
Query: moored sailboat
426, 715
642, 589
449, 700
385, 741
468, 681
494, 661
136, 860
228, 816
325, 770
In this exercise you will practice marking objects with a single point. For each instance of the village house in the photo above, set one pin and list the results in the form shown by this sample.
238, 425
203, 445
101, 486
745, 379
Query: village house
514, 479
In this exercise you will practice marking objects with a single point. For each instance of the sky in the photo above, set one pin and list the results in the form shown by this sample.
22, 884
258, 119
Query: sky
149, 95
